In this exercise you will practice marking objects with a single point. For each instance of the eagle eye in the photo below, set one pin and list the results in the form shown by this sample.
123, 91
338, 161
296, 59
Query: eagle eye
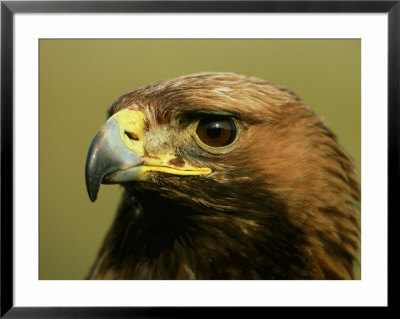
216, 130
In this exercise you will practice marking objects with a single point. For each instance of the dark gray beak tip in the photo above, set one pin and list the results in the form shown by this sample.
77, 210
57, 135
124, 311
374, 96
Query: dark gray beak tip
92, 182
93, 197
92, 192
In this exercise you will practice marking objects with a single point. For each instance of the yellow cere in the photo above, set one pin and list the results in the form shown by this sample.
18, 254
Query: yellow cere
131, 121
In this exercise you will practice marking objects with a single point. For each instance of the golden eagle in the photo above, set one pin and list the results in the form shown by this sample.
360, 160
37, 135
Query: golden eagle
225, 176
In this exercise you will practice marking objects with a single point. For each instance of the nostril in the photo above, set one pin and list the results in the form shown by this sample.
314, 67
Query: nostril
132, 136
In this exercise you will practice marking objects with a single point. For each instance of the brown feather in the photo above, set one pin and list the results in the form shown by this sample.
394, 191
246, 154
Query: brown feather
281, 205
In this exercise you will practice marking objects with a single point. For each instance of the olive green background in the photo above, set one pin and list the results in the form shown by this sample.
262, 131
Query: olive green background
80, 79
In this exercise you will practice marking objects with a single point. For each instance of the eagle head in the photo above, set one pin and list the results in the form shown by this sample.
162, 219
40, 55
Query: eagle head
225, 176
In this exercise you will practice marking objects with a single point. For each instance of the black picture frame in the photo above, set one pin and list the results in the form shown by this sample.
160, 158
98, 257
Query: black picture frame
9, 8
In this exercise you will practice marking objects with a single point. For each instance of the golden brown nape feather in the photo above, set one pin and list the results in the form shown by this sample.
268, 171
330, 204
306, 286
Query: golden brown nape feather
281, 204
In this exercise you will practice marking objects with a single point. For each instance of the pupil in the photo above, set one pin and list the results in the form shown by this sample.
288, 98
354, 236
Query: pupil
213, 130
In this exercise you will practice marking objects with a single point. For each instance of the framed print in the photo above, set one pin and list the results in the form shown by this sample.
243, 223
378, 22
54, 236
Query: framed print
254, 144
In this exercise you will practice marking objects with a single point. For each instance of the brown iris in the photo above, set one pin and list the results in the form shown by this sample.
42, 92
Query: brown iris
216, 131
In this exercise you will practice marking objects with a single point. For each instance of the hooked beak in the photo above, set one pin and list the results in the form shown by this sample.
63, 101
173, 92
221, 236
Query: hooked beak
107, 154
117, 155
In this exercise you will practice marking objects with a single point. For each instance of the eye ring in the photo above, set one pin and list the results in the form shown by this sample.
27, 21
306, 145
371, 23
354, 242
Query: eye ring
216, 132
